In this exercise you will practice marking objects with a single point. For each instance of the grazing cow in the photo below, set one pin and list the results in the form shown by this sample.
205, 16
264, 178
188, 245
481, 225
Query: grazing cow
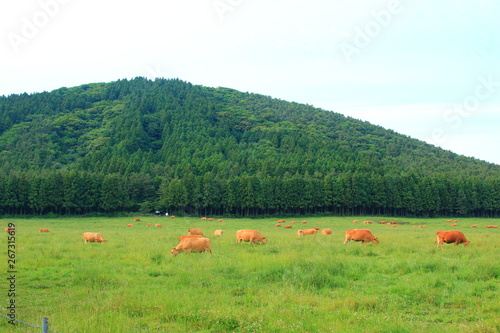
288, 227
326, 231
93, 237
454, 224
293, 222
137, 220
210, 219
172, 216
252, 236
473, 226
355, 221
189, 236
218, 233
195, 232
192, 244
129, 225
43, 230
307, 232
452, 236
220, 220
316, 228
203, 218
423, 226
157, 225
277, 225
491, 226
360, 235
148, 225
304, 222
10, 230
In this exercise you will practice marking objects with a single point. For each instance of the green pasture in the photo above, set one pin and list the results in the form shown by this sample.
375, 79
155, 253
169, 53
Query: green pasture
292, 284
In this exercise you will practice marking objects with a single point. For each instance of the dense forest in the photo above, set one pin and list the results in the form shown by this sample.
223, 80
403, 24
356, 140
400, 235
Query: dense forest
140, 145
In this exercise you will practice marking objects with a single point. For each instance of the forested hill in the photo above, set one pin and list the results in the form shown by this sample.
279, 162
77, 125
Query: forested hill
141, 145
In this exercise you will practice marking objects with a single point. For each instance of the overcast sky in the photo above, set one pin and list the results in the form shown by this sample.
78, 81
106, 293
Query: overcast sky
427, 69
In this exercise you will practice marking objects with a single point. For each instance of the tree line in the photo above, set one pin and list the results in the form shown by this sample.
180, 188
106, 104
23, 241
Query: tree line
80, 192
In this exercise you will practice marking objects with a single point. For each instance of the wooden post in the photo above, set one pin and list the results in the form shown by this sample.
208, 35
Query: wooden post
45, 325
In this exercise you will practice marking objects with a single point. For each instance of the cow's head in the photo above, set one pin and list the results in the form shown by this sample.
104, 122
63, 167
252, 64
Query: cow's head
264, 240
375, 240
466, 243
174, 252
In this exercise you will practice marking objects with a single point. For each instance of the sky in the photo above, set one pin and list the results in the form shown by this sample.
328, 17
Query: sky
426, 69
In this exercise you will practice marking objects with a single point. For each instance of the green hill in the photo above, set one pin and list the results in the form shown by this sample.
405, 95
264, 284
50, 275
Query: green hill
141, 145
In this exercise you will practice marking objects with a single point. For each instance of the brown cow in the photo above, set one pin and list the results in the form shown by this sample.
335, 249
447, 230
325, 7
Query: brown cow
277, 225
10, 230
148, 225
189, 236
220, 220
491, 226
218, 233
195, 232
307, 232
43, 230
93, 237
326, 231
129, 225
157, 225
252, 236
137, 220
360, 235
452, 236
192, 244
288, 227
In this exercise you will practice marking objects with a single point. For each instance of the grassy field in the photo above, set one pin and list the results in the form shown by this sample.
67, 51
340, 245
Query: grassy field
292, 284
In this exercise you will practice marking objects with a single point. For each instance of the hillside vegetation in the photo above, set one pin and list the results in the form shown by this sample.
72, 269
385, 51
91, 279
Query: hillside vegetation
141, 145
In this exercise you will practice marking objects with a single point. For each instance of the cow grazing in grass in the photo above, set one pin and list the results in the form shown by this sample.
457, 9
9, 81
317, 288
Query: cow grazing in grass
307, 232
43, 230
148, 225
326, 231
137, 220
252, 236
130, 225
157, 225
218, 233
192, 244
195, 232
93, 237
288, 227
451, 236
491, 226
189, 236
360, 235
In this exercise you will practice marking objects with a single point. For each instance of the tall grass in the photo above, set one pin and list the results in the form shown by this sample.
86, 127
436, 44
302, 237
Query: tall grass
292, 284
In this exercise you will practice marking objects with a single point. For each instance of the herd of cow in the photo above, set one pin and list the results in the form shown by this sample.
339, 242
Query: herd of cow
195, 241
